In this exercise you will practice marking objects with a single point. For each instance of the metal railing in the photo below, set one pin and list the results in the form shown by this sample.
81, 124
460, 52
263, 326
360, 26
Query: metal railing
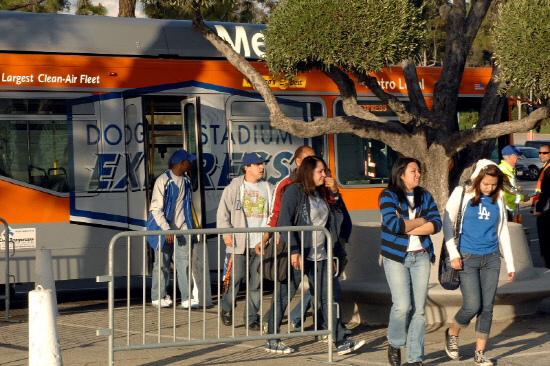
7, 276
190, 340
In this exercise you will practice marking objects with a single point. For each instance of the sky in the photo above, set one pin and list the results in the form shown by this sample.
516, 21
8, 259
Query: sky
112, 7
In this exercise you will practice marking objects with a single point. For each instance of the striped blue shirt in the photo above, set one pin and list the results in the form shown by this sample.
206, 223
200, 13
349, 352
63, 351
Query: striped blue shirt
394, 239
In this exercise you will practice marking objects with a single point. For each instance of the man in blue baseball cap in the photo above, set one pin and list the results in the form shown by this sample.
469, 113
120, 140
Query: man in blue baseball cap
171, 210
245, 202
510, 157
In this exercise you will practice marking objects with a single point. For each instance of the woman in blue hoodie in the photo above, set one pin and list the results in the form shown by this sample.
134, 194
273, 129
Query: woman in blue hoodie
483, 226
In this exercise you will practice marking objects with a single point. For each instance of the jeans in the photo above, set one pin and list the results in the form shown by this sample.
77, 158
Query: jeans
408, 283
280, 301
478, 284
239, 265
296, 315
182, 269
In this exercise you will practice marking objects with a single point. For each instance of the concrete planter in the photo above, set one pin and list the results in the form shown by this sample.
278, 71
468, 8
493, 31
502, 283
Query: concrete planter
366, 296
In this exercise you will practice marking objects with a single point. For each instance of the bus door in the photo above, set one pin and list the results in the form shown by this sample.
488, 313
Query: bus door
174, 123
135, 170
191, 127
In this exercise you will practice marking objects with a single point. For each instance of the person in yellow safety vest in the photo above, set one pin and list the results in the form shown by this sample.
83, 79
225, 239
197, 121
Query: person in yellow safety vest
510, 157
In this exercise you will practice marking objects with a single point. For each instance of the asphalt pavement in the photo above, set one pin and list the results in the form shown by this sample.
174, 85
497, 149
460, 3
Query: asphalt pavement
522, 340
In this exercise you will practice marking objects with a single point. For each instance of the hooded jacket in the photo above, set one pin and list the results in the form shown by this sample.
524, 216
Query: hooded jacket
231, 211
451, 214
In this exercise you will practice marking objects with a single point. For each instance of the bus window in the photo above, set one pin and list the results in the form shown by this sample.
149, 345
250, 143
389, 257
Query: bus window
61, 107
251, 131
36, 152
163, 115
363, 161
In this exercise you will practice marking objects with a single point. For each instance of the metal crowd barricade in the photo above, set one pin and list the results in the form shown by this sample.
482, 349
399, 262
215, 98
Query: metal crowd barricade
7, 277
202, 233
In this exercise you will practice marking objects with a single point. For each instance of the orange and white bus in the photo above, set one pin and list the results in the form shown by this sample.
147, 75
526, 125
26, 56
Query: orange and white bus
92, 107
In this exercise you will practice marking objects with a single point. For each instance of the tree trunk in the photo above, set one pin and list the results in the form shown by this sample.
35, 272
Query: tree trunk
127, 8
435, 175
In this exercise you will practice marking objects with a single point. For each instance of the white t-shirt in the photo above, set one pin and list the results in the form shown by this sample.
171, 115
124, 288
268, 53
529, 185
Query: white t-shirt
414, 241
157, 203
255, 208
319, 215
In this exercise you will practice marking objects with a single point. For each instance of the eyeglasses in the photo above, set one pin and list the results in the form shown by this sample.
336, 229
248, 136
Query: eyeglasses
544, 152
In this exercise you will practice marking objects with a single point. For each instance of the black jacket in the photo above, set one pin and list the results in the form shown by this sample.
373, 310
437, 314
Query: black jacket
295, 211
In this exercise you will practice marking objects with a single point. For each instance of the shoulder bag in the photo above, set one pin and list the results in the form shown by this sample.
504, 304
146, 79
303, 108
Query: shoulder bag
448, 276
280, 251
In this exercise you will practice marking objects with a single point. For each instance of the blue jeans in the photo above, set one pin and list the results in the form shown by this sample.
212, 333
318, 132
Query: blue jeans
478, 284
253, 294
182, 269
408, 283
280, 302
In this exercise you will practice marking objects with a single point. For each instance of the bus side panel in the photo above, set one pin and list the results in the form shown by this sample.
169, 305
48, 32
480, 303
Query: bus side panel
21, 204
78, 251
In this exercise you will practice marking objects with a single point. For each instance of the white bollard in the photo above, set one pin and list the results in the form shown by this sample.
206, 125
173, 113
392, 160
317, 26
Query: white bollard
44, 274
44, 346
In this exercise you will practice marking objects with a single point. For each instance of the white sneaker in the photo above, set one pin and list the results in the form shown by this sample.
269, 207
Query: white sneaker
194, 304
168, 299
162, 303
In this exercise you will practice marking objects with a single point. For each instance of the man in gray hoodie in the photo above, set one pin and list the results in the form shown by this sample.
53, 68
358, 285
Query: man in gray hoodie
245, 202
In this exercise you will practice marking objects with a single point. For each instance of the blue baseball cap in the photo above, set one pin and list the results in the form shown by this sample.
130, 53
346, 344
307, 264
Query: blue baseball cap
180, 155
252, 158
511, 150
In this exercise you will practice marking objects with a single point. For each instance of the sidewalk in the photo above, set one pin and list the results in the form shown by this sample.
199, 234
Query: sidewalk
521, 341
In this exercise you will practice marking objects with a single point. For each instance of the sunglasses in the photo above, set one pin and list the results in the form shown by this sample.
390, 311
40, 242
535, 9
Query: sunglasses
544, 152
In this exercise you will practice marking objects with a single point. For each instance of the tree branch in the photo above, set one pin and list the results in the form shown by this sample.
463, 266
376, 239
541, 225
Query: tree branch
492, 103
362, 127
21, 6
418, 102
459, 140
477, 13
238, 61
388, 132
346, 86
395, 104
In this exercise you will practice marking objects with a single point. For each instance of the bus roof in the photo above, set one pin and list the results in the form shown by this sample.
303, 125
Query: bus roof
138, 37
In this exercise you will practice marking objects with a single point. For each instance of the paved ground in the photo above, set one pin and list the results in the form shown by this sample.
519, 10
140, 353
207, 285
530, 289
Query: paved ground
519, 341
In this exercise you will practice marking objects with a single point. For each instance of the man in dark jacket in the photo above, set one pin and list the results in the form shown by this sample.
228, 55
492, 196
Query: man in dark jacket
542, 211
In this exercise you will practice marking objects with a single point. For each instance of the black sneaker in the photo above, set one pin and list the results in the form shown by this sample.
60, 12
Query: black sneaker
451, 345
394, 355
226, 317
481, 360
348, 346
254, 326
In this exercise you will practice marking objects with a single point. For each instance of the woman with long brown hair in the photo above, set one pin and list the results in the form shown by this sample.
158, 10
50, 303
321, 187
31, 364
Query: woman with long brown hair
305, 202
477, 256
409, 217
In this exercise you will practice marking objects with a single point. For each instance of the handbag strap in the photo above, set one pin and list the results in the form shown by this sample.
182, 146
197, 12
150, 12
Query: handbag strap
459, 219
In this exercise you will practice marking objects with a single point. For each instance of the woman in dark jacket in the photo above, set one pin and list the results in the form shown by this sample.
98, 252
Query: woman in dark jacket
305, 202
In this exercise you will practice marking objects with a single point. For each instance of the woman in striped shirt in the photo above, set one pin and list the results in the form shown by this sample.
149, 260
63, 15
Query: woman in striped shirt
409, 217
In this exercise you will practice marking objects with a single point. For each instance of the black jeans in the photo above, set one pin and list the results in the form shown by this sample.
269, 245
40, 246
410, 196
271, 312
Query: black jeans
320, 291
543, 228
